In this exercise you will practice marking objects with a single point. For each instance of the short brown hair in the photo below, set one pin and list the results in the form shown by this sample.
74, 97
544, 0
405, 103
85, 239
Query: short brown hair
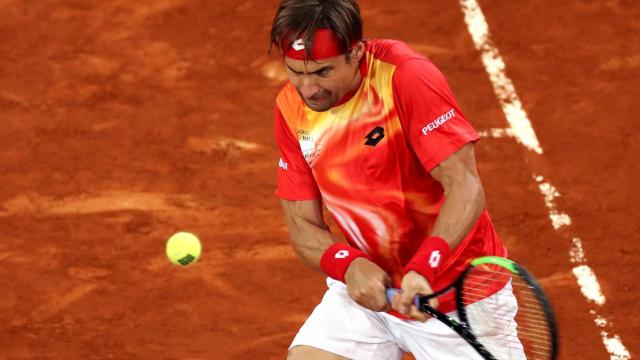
301, 18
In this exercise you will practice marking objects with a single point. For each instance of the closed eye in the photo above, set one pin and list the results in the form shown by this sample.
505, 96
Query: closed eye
296, 73
324, 71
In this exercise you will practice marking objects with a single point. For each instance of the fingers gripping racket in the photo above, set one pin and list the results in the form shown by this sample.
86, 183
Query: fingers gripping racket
503, 312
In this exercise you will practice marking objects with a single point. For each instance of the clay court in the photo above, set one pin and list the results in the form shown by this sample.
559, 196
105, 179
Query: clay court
123, 122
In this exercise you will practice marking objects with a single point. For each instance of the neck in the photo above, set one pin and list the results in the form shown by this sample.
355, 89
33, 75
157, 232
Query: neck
357, 79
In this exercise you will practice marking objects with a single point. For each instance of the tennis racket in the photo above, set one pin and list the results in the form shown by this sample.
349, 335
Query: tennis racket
503, 312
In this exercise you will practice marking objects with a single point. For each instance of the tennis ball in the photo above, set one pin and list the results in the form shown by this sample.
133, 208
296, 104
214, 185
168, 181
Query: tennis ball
183, 248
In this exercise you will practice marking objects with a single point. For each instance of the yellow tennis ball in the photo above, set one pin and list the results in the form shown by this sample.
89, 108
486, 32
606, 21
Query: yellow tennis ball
183, 248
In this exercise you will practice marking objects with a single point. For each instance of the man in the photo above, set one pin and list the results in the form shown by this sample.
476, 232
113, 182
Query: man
372, 129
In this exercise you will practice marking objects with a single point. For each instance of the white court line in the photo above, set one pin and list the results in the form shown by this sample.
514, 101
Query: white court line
521, 129
502, 85
558, 218
497, 133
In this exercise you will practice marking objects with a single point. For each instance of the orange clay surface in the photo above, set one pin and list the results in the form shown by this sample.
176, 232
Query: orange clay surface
122, 122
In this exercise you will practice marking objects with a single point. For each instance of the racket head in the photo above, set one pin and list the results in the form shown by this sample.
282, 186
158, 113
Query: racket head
507, 310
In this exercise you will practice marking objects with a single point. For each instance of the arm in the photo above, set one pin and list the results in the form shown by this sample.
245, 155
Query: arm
424, 100
310, 237
463, 205
464, 196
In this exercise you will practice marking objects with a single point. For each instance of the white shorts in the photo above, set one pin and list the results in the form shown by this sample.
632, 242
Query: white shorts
341, 326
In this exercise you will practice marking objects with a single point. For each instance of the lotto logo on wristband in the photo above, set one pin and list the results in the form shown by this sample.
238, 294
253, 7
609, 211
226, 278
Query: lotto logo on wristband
342, 254
434, 259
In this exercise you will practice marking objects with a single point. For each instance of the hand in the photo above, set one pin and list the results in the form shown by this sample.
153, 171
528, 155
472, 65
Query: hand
366, 284
413, 284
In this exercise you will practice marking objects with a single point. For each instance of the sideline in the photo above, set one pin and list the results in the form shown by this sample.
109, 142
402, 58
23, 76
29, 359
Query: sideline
520, 127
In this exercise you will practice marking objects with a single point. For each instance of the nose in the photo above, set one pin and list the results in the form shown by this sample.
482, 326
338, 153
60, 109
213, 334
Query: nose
308, 87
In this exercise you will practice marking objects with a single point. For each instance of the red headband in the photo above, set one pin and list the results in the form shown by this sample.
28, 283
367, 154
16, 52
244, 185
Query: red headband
325, 45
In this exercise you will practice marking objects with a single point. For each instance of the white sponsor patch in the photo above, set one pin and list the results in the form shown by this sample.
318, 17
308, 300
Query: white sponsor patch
342, 254
310, 150
438, 122
283, 165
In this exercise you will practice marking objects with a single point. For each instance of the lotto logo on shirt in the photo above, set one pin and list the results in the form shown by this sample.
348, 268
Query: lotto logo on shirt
438, 122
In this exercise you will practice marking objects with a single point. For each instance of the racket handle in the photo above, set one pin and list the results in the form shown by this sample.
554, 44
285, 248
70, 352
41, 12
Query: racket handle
391, 293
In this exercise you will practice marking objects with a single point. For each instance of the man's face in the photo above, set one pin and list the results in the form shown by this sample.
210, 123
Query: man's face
321, 84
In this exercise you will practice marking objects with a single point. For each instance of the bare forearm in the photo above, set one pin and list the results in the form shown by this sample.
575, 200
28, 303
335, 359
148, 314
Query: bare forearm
463, 205
310, 241
464, 196
310, 236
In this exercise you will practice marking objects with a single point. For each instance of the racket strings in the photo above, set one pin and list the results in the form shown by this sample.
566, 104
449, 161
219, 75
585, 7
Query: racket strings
505, 313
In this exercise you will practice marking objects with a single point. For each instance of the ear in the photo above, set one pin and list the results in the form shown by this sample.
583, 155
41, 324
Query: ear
357, 52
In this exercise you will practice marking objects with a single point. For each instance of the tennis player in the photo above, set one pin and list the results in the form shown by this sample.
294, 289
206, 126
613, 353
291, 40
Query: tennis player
372, 129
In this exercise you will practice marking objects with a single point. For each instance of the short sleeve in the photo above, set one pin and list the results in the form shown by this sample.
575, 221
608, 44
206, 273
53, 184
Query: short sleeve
434, 126
295, 179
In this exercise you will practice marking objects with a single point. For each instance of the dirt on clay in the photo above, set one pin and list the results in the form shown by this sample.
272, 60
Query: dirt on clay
123, 122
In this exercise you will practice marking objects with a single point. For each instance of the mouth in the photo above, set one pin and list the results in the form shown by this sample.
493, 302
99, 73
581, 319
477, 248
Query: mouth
313, 101
317, 101
318, 98
317, 105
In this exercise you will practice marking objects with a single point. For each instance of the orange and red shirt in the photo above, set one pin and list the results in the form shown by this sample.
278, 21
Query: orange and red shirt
369, 159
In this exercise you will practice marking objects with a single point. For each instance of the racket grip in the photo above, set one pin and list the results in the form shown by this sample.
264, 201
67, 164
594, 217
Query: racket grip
391, 293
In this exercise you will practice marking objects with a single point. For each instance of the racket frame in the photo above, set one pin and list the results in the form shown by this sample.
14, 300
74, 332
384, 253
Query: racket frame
463, 328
